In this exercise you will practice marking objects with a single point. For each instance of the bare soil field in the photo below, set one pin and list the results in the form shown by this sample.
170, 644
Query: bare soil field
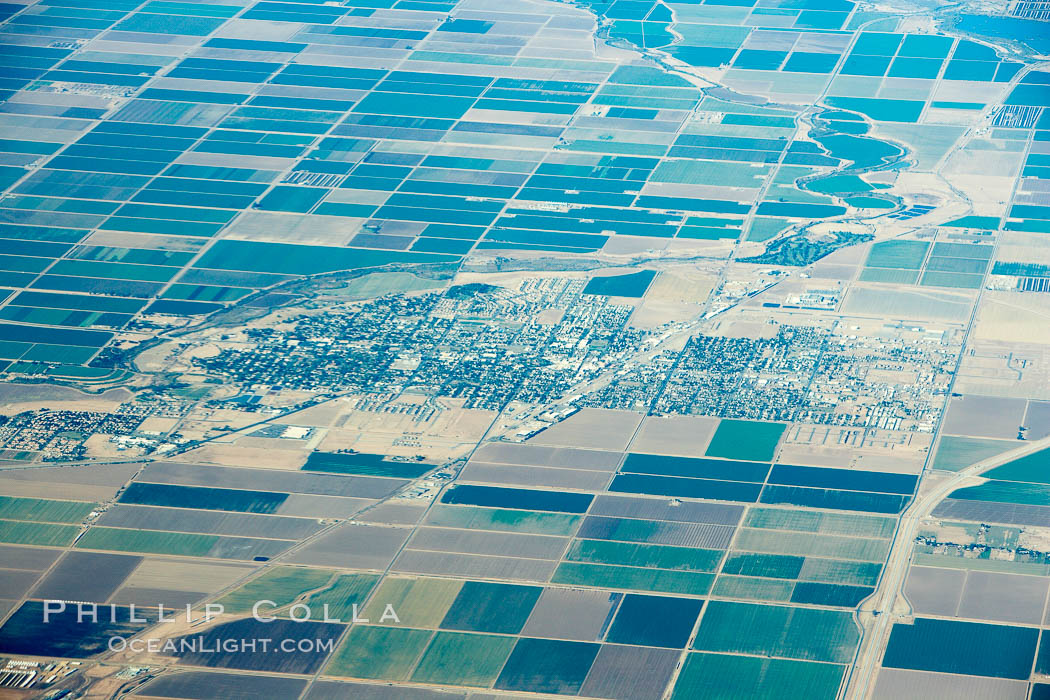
683, 436
18, 398
594, 428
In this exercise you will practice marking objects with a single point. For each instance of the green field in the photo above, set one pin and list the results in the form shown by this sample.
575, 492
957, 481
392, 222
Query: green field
781, 542
419, 602
42, 534
112, 270
61, 317
632, 578
817, 521
967, 251
147, 541
1006, 492
43, 510
460, 658
645, 555
778, 630
500, 608
381, 283
763, 228
748, 588
141, 256
727, 677
72, 354
989, 222
343, 594
282, 585
767, 565
385, 653
955, 453
203, 292
906, 255
973, 266
860, 573
953, 280
633, 285
1033, 468
747, 440
297, 259
725, 174
523, 521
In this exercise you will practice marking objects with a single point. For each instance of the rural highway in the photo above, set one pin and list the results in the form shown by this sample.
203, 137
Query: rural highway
888, 603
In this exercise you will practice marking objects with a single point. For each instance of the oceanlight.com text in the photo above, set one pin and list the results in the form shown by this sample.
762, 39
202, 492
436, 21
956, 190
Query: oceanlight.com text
203, 645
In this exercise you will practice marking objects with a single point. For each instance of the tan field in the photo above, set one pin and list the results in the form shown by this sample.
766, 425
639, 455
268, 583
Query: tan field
446, 433
1005, 316
185, 576
238, 455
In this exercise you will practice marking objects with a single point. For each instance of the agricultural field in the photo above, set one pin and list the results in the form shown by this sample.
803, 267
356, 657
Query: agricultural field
294, 660
283, 585
25, 632
454, 658
745, 440
40, 510
1020, 482
629, 285
86, 576
421, 602
963, 647
344, 598
956, 453
732, 480
45, 534
148, 541
128, 209
364, 464
945, 263
781, 631
623, 350
729, 676
379, 652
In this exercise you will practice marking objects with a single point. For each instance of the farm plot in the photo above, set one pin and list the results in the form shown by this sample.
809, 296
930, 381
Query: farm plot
774, 630
63, 635
745, 440
654, 621
283, 585
219, 686
547, 666
500, 519
971, 648
565, 613
742, 677
86, 576
387, 653
491, 607
457, 658
274, 659
419, 602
